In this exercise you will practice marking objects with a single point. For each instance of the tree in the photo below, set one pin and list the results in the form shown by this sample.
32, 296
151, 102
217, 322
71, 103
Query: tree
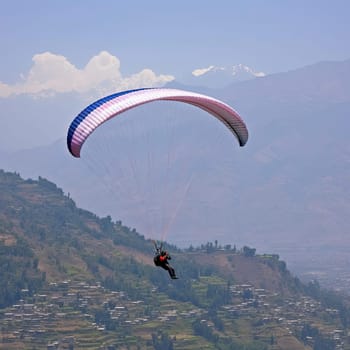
249, 252
162, 341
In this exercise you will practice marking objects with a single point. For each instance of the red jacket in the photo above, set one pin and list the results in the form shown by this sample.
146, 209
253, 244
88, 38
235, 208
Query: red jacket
163, 258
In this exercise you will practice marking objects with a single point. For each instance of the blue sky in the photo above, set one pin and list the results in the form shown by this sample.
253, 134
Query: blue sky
175, 37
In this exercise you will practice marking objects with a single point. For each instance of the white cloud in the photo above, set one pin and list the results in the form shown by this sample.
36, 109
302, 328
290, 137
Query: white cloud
52, 74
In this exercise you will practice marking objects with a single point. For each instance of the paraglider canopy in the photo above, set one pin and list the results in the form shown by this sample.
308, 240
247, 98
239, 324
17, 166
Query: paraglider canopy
111, 106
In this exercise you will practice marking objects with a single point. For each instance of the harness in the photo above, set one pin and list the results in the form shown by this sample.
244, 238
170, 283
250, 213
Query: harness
156, 259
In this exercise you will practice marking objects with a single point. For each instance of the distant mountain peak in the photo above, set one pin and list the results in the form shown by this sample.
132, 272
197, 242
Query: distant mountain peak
231, 70
218, 76
239, 68
201, 71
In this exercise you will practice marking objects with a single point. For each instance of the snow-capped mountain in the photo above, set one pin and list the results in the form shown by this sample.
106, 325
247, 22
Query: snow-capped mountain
216, 76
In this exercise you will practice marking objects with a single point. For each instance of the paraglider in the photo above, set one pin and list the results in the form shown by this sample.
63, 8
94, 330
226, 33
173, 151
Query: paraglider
108, 107
114, 105
161, 259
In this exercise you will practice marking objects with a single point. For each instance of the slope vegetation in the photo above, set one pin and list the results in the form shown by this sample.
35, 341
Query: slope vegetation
74, 280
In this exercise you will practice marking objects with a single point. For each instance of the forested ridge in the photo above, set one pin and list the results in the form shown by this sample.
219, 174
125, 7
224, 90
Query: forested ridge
46, 239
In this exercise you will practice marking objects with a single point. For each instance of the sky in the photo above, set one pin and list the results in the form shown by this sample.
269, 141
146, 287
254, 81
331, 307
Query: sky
174, 38
96, 47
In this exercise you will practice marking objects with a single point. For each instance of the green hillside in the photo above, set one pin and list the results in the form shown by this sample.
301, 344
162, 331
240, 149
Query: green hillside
72, 280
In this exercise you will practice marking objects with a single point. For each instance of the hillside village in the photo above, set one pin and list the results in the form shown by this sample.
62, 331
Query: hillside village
64, 317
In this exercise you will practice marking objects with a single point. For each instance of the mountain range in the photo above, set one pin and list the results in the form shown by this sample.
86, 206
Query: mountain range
286, 191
